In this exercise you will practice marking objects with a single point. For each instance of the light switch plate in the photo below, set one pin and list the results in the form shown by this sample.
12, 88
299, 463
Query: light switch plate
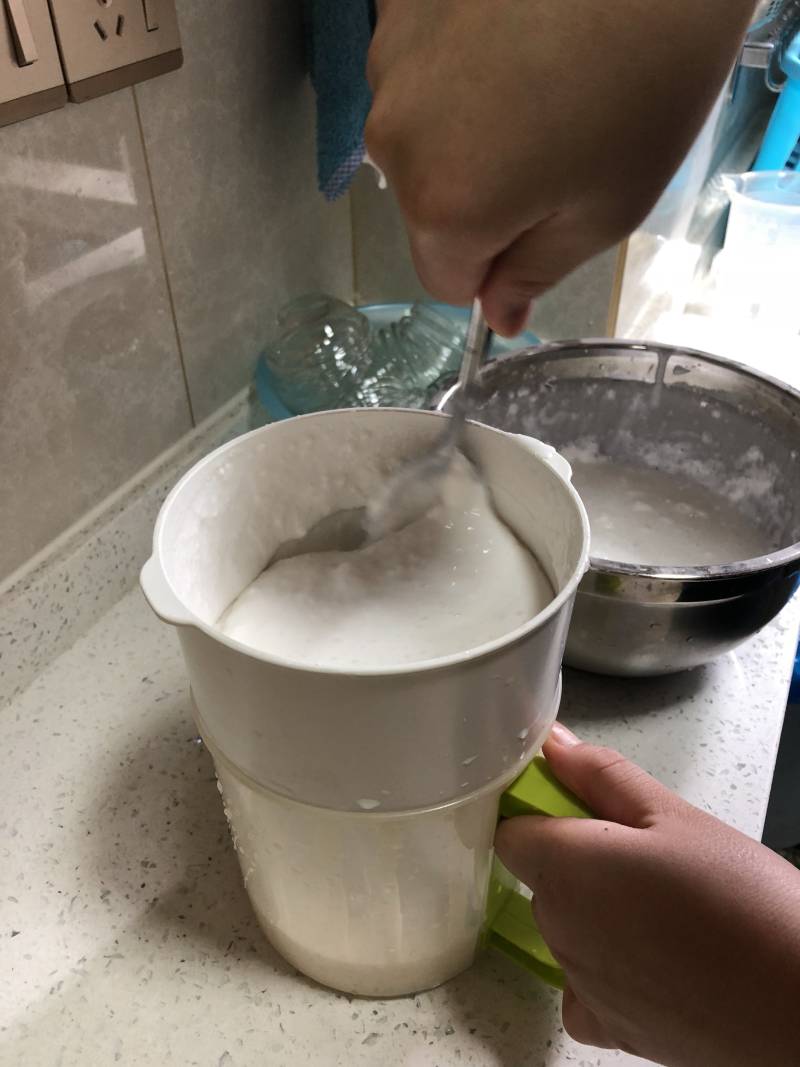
107, 44
31, 80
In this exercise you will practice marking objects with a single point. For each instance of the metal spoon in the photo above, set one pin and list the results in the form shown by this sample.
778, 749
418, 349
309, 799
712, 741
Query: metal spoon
415, 487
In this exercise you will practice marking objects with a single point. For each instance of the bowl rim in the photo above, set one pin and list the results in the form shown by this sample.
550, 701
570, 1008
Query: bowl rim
599, 566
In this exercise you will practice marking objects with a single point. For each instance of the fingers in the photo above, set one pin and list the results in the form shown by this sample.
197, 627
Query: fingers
536, 260
456, 261
613, 787
532, 847
528, 845
582, 1025
536, 848
450, 269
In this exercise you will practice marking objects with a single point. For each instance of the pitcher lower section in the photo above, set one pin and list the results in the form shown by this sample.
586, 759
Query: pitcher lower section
374, 904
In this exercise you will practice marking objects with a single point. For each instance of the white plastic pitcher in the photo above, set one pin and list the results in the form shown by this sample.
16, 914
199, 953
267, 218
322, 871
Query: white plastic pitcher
362, 803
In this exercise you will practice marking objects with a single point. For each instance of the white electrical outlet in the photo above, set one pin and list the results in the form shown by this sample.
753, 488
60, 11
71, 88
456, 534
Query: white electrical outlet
107, 44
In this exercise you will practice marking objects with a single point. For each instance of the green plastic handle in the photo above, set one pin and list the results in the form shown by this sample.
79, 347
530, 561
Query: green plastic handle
510, 926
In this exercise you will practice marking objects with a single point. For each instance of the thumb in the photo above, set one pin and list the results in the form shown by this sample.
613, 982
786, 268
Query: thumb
582, 1024
614, 788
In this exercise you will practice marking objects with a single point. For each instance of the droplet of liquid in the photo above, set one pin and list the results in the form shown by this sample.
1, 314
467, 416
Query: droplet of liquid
368, 804
468, 760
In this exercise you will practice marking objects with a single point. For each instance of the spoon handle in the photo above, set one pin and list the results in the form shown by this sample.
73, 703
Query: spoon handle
476, 347
479, 340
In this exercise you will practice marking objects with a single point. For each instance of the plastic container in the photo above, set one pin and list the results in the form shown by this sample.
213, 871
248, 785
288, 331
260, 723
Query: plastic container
370, 903
319, 356
362, 803
327, 354
418, 349
384, 904
758, 267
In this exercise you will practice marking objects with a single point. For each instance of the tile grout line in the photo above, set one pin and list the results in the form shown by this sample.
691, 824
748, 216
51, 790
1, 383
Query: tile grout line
51, 601
163, 251
355, 296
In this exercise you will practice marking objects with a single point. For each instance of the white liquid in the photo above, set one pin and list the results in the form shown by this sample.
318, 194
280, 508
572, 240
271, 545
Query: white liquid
374, 906
645, 516
451, 581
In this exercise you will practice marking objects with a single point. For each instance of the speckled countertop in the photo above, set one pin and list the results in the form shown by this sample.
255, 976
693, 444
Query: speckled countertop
127, 936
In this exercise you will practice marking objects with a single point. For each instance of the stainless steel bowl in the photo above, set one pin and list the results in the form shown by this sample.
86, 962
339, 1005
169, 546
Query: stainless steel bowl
717, 421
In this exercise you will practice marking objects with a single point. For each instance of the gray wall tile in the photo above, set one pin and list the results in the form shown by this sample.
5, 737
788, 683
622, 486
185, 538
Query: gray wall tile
230, 142
383, 268
90, 381
579, 305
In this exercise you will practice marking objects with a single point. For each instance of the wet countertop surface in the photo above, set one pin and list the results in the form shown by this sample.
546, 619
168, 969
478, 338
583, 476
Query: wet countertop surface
126, 933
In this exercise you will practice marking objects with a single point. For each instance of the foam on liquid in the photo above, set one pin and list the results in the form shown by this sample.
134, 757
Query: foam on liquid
451, 581
645, 516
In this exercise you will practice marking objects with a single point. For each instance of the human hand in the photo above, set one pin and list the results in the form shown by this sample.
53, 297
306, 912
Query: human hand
679, 936
522, 138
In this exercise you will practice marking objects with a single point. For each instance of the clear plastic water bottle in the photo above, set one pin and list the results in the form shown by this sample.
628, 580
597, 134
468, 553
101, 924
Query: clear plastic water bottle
416, 352
325, 355
320, 347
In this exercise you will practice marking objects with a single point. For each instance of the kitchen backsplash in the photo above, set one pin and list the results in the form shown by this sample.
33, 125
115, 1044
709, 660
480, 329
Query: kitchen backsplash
146, 240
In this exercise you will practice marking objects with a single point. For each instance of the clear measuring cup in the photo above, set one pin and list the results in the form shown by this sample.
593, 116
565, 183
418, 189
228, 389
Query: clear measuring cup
759, 264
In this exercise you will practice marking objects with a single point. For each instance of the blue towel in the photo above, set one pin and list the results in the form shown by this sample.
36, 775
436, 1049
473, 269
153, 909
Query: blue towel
338, 33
